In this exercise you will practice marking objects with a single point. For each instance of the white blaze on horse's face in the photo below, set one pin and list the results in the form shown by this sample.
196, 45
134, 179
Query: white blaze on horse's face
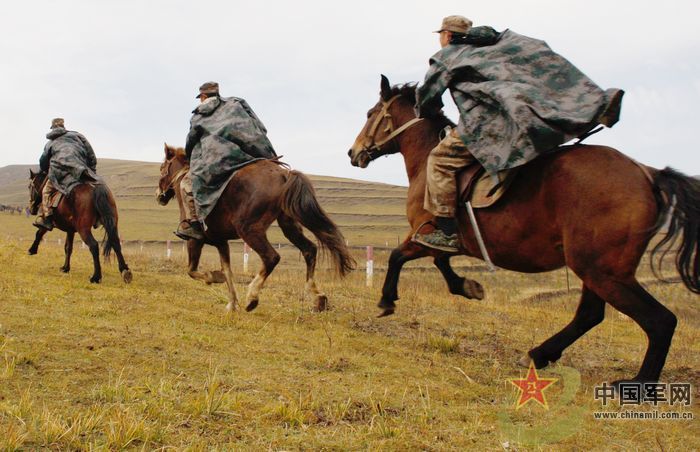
375, 130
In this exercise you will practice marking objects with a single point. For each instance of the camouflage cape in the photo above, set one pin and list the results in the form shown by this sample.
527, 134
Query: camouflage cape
69, 159
516, 98
224, 136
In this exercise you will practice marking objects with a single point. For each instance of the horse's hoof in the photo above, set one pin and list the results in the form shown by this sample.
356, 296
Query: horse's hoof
321, 303
216, 277
65, 269
127, 276
386, 313
32, 252
473, 290
95, 280
525, 361
252, 305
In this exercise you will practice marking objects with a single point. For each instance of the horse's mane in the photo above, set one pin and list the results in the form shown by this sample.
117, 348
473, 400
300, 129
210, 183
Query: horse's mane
408, 92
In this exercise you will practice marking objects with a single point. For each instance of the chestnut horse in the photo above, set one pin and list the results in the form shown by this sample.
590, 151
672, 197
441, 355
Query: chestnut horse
586, 207
257, 195
87, 206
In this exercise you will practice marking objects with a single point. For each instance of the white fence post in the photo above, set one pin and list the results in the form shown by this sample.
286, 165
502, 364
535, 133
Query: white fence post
168, 250
246, 250
370, 265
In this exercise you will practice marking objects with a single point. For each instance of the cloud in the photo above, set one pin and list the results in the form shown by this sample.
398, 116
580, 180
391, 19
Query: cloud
125, 72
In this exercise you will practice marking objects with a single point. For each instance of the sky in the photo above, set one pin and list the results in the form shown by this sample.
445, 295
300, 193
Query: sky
125, 73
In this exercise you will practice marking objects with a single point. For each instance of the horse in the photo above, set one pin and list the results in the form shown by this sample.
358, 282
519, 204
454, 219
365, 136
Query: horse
87, 206
255, 196
587, 207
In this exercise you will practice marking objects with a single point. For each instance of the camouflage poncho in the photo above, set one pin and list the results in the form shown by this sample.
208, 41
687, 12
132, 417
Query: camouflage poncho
69, 159
224, 136
516, 97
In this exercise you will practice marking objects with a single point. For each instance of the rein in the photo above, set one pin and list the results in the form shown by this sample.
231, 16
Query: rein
376, 146
176, 177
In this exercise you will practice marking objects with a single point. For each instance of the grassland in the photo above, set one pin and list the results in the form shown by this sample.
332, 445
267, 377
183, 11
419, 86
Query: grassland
157, 364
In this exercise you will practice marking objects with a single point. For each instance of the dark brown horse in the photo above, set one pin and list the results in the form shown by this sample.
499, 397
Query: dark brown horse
586, 207
87, 206
258, 194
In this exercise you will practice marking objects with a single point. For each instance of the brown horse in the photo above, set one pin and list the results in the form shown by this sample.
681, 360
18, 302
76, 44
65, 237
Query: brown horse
87, 206
257, 195
586, 207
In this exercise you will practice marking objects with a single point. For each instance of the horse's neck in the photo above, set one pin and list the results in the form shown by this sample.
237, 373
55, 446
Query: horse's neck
180, 200
416, 145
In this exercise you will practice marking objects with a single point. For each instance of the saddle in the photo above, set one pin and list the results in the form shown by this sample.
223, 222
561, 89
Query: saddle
475, 185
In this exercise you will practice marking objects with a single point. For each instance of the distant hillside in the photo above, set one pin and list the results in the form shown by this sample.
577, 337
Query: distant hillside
368, 212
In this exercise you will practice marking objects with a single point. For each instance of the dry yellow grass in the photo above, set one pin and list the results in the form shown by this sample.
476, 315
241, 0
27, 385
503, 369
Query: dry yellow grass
159, 364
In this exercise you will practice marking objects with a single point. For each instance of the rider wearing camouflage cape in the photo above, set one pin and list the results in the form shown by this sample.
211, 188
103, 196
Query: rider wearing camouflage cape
517, 99
225, 135
69, 160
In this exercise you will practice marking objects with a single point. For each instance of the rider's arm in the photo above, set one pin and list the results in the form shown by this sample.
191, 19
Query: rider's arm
193, 137
429, 94
252, 114
89, 153
45, 159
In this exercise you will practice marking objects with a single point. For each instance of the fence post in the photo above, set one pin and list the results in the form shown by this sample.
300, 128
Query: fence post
370, 265
246, 249
168, 250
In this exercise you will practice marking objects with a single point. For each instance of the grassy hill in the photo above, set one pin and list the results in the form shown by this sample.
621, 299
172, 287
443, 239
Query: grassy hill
369, 213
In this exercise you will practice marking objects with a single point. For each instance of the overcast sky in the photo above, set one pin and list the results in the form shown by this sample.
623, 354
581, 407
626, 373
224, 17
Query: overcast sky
125, 73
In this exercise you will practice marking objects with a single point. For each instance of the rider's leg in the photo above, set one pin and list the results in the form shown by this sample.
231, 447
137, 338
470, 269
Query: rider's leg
191, 228
444, 161
44, 219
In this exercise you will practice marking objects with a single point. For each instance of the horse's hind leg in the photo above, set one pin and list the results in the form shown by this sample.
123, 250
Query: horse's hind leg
590, 312
94, 247
270, 258
658, 322
68, 248
458, 285
295, 234
123, 268
37, 240
225, 257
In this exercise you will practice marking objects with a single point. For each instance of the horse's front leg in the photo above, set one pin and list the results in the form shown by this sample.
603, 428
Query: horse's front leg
458, 285
405, 252
37, 240
194, 252
225, 257
68, 248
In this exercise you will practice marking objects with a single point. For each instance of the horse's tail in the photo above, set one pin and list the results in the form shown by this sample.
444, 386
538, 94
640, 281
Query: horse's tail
108, 217
300, 203
683, 204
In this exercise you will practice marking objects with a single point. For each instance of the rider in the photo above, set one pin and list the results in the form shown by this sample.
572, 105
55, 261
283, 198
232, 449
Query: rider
225, 135
516, 98
69, 160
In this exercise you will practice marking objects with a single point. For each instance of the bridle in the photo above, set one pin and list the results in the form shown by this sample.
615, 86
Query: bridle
34, 192
374, 149
175, 178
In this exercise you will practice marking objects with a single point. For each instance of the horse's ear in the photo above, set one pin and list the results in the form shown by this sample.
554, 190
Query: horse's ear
31, 174
386, 88
169, 153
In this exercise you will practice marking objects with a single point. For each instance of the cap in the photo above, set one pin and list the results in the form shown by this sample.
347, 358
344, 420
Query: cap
209, 88
57, 122
455, 24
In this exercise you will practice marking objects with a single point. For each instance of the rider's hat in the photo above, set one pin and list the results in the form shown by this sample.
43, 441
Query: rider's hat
209, 89
455, 24
57, 122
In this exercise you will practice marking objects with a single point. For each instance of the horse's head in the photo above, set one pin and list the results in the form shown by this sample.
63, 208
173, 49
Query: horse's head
36, 183
386, 121
170, 169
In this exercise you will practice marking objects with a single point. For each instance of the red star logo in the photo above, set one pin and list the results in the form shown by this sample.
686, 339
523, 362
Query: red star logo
531, 388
